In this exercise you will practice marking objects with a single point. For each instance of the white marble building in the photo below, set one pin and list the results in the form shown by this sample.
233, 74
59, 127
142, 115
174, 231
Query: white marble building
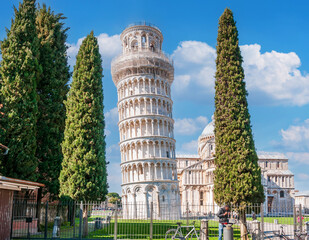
143, 75
196, 175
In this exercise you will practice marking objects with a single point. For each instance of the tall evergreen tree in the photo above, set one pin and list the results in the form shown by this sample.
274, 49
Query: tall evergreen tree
83, 175
52, 90
237, 175
20, 72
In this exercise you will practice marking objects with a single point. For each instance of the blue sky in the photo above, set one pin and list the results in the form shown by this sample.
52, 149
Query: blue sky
274, 43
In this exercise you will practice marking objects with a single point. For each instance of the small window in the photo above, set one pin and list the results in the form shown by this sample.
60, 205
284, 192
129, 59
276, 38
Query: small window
282, 179
266, 163
282, 194
189, 172
268, 179
211, 147
167, 154
186, 163
163, 198
201, 202
278, 164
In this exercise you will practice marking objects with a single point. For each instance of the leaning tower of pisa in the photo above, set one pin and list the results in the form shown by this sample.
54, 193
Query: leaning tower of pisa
143, 75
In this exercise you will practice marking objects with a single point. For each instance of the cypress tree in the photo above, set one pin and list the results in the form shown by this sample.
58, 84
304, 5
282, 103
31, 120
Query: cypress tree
20, 71
52, 90
237, 175
83, 175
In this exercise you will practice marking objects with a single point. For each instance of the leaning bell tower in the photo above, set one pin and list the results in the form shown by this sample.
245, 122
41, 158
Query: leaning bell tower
143, 75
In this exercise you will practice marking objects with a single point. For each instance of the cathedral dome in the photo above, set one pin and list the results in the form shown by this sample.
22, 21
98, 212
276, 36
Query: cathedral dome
209, 129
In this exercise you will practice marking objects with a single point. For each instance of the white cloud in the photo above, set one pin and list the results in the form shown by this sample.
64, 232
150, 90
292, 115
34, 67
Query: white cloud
270, 75
110, 46
189, 126
299, 157
194, 66
188, 148
296, 137
276, 74
112, 116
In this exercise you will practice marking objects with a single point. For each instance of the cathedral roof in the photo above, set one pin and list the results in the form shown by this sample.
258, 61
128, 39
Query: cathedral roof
271, 155
272, 172
209, 129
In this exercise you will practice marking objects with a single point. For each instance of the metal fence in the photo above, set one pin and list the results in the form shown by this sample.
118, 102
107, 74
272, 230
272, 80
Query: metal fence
67, 220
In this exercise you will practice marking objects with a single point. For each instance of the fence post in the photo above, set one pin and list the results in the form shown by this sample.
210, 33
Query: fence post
12, 218
151, 221
204, 229
300, 218
116, 222
256, 226
294, 220
187, 215
46, 220
262, 220
80, 219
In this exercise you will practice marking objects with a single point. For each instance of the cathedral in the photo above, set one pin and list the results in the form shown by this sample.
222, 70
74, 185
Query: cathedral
196, 174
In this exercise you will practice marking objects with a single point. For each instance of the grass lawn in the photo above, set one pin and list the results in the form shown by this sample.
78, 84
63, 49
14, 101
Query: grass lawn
141, 229
281, 220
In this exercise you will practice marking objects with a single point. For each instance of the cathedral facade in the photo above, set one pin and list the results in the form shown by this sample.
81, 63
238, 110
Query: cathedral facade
143, 75
196, 178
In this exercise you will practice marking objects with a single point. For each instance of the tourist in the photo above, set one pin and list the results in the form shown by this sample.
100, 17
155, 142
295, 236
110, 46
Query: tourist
223, 214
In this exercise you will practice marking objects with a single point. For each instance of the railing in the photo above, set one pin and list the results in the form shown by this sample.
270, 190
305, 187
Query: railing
142, 53
143, 23
145, 221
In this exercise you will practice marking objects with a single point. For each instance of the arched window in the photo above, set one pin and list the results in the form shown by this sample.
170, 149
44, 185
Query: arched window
282, 194
143, 39
134, 45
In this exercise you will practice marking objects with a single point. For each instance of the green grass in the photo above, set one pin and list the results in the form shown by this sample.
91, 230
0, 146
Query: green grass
140, 229
281, 220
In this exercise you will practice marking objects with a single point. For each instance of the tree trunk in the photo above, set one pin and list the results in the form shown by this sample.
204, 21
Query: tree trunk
243, 225
85, 220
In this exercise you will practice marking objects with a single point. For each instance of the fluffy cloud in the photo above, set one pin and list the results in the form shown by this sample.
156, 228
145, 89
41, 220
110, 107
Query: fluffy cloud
189, 126
194, 67
276, 74
110, 46
270, 75
296, 137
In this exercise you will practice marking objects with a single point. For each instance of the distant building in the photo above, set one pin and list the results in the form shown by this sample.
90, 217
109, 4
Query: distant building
302, 198
196, 176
